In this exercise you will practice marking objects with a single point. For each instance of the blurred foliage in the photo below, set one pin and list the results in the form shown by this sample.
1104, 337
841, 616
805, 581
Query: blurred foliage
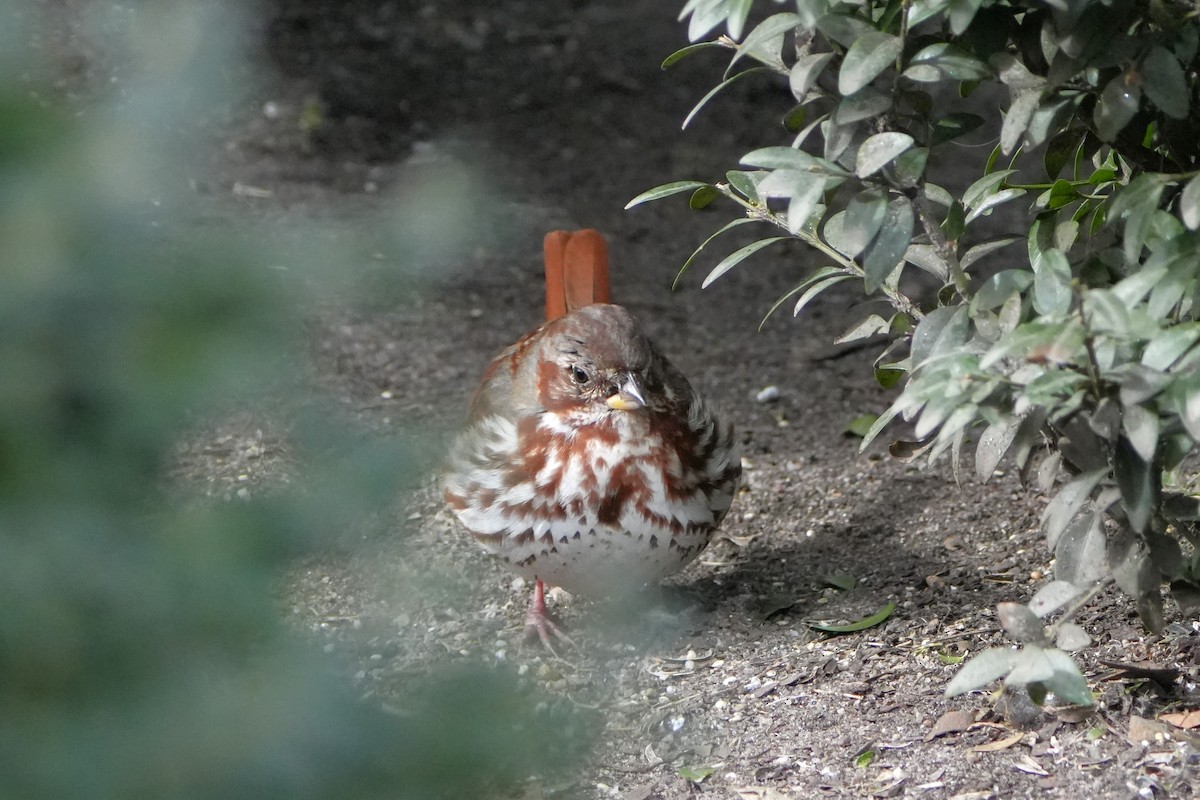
1070, 345
142, 652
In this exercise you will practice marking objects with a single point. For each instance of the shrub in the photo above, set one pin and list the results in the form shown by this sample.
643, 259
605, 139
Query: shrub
1069, 346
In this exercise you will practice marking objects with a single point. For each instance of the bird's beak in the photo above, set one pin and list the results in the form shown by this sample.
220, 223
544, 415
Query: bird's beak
629, 397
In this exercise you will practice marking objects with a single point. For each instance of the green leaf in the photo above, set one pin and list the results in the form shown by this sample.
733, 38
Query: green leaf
746, 183
695, 774
991, 201
1066, 681
791, 158
1137, 481
1020, 111
1141, 426
765, 35
665, 190
868, 56
942, 62
879, 150
955, 222
806, 71
1052, 284
1116, 107
859, 625
817, 276
861, 221
1132, 568
804, 203
1020, 623
984, 186
703, 197
684, 52
1189, 204
1061, 193
861, 424
713, 92
984, 249
952, 126
1079, 554
863, 104
1060, 511
888, 248
845, 29
993, 663
1053, 596
737, 257
864, 759
909, 166
1164, 82
726, 227
1167, 347
815, 290
887, 377
941, 329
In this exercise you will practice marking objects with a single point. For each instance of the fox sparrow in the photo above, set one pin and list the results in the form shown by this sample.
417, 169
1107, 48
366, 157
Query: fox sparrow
588, 461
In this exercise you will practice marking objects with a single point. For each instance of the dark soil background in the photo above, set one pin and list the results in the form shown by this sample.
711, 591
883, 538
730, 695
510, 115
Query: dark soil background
716, 687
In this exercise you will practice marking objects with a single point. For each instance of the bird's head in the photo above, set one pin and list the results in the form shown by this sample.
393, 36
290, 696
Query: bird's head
597, 361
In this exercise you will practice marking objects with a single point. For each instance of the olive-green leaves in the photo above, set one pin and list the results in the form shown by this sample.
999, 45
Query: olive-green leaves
868, 56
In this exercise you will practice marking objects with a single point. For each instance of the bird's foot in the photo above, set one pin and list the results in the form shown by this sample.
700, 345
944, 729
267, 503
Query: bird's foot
540, 623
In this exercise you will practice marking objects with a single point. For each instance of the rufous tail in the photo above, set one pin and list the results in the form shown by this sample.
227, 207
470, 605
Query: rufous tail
576, 271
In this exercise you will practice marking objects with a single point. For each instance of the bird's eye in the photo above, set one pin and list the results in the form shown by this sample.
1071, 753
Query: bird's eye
578, 375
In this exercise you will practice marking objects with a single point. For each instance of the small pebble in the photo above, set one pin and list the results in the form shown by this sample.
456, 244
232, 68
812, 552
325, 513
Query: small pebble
768, 395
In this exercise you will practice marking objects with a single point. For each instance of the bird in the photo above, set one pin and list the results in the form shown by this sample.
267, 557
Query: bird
588, 461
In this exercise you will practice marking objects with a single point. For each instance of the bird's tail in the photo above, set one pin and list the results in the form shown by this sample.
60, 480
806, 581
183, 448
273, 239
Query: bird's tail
576, 271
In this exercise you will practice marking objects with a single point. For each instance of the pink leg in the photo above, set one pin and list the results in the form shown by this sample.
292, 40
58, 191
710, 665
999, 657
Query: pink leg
538, 620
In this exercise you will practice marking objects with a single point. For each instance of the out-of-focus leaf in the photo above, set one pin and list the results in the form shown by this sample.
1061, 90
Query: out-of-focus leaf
1072, 637
1189, 204
887, 250
1136, 574
868, 56
861, 424
696, 774
1079, 555
737, 257
878, 150
1141, 427
806, 71
1052, 284
1139, 383
859, 625
665, 190
1137, 481
1116, 107
993, 663
1066, 681
1000, 286
1067, 503
1164, 83
1020, 623
1053, 596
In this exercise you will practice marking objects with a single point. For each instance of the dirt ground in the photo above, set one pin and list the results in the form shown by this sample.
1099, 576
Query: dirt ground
716, 687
